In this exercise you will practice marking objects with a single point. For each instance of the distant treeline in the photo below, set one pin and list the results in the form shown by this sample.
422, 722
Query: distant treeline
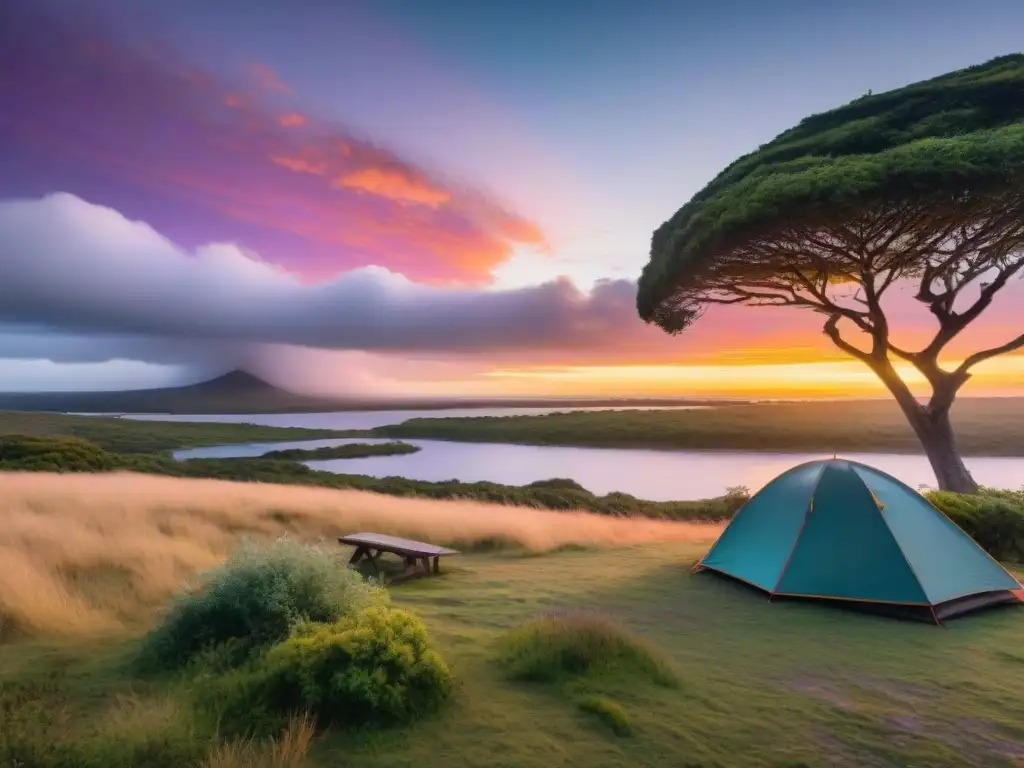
985, 427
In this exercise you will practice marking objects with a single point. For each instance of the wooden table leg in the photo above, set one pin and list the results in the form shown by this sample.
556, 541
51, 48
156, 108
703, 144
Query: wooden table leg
358, 555
437, 565
373, 561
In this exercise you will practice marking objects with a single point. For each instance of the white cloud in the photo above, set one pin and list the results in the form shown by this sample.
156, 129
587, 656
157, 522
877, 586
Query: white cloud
72, 265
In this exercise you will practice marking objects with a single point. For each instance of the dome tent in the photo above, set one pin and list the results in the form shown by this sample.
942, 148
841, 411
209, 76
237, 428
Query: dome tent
840, 530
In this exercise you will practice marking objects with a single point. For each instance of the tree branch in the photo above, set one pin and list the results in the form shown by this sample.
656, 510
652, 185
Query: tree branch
987, 354
832, 331
953, 323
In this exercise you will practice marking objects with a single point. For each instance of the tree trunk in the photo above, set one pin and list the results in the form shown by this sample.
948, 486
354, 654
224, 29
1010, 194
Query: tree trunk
939, 442
933, 428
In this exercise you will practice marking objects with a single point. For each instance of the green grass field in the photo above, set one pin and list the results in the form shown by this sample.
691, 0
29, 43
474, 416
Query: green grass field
129, 436
767, 685
985, 427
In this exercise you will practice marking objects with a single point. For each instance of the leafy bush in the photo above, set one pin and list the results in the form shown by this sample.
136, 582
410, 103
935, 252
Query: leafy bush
254, 599
50, 454
608, 712
558, 483
345, 451
375, 667
993, 518
577, 644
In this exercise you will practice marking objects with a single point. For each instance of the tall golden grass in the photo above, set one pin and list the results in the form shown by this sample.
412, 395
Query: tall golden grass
289, 750
95, 553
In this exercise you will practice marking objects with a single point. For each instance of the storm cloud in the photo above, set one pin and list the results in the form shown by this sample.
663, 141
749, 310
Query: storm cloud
83, 271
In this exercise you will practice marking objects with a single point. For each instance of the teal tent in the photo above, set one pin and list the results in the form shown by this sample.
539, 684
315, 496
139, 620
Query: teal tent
840, 530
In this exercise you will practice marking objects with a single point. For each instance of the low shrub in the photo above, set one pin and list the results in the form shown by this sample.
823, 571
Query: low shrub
372, 668
53, 454
345, 451
576, 644
993, 518
254, 599
607, 712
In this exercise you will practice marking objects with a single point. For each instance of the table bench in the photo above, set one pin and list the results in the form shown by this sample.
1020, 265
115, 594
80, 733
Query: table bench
417, 554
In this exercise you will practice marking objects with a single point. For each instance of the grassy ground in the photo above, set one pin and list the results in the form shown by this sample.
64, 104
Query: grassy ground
985, 427
128, 436
761, 684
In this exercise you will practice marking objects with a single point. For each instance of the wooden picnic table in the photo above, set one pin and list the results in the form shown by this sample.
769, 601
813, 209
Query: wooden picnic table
417, 554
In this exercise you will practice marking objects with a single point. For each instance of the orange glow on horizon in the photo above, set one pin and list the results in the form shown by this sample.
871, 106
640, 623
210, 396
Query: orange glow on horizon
999, 376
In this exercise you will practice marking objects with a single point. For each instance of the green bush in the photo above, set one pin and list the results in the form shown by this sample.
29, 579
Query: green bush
576, 644
254, 599
372, 668
53, 454
608, 712
993, 518
345, 451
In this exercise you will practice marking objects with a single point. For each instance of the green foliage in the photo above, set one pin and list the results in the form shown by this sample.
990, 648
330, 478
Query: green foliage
49, 454
131, 436
35, 733
349, 451
578, 644
607, 712
775, 685
558, 484
984, 427
955, 137
372, 668
254, 599
993, 518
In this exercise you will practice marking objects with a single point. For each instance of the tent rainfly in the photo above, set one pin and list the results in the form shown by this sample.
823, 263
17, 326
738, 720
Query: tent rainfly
844, 531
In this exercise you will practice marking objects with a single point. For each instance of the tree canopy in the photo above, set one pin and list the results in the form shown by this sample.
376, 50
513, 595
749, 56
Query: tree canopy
923, 184
920, 182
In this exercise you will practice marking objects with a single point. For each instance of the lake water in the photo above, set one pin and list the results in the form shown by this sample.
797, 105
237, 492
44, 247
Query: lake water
654, 475
373, 419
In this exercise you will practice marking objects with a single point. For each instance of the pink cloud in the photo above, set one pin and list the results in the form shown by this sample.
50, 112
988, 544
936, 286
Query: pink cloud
267, 78
292, 118
145, 119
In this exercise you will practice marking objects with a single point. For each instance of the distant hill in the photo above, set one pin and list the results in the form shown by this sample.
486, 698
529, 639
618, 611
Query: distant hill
235, 392
242, 392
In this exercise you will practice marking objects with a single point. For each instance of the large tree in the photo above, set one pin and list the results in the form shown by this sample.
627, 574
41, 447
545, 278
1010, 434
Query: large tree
920, 186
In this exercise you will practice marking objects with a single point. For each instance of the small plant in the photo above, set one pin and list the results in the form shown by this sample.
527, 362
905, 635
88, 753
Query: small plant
735, 497
254, 599
608, 712
576, 644
372, 668
289, 750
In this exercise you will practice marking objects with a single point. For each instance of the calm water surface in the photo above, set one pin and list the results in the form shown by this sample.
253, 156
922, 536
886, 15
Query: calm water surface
655, 475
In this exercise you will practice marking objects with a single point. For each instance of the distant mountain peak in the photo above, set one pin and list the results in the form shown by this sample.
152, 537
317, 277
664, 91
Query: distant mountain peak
236, 378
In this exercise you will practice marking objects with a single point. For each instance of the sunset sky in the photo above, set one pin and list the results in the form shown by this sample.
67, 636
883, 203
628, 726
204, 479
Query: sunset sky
422, 197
